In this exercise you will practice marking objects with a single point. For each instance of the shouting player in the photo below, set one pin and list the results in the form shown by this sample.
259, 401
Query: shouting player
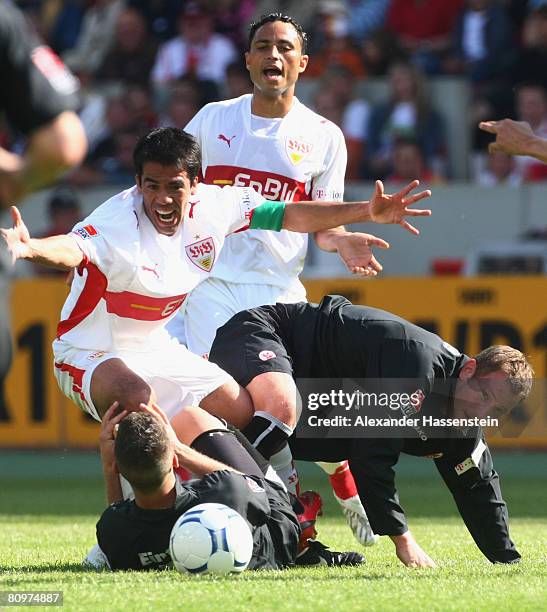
136, 258
273, 143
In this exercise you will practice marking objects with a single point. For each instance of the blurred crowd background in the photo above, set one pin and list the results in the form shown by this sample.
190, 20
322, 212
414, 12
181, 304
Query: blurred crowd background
407, 81
156, 62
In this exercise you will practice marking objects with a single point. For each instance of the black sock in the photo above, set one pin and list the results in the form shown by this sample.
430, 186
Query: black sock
223, 446
267, 433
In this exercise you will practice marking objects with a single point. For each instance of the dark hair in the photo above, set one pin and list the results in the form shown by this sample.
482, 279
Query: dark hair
279, 17
142, 450
168, 146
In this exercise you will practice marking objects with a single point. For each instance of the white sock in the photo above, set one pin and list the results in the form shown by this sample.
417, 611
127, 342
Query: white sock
283, 464
329, 468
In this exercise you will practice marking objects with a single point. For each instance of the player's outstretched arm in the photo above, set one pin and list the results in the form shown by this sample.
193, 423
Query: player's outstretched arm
515, 138
383, 208
410, 553
55, 251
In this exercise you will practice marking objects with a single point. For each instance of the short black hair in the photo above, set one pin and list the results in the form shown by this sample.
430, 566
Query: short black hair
142, 451
278, 17
168, 146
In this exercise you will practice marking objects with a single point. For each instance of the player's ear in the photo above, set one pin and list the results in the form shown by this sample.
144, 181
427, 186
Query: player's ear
194, 185
468, 370
304, 59
247, 60
138, 182
175, 460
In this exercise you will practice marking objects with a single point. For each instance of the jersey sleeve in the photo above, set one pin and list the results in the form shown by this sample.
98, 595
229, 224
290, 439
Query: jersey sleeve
40, 86
329, 183
469, 473
243, 201
93, 241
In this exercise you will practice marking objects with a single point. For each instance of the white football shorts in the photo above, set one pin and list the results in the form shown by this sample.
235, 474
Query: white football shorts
214, 301
178, 377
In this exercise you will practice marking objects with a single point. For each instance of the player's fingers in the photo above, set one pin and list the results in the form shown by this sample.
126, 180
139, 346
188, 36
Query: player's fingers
15, 215
494, 147
374, 265
417, 197
410, 228
418, 212
489, 126
107, 416
406, 190
379, 188
378, 242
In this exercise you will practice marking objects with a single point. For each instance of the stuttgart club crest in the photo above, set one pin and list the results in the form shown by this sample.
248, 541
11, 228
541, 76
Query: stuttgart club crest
297, 149
202, 253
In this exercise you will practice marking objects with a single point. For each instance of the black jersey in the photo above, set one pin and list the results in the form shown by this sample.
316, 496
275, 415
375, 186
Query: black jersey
36, 86
138, 539
337, 339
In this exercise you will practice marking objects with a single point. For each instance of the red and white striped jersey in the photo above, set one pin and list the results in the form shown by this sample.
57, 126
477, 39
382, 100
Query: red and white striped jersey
301, 156
133, 279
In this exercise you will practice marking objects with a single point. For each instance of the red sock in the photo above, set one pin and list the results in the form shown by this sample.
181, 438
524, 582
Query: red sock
342, 482
182, 473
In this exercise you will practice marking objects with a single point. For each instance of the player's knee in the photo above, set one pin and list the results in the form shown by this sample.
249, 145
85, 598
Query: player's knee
192, 421
280, 406
135, 393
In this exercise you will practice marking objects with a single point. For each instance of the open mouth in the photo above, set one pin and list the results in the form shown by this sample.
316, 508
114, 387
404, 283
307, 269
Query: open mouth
272, 73
167, 219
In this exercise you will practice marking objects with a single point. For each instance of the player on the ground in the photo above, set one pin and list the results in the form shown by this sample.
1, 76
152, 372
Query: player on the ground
515, 138
38, 97
272, 142
134, 534
136, 258
386, 354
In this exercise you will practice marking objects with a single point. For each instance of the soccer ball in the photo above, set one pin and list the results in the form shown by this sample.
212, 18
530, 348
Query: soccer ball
211, 539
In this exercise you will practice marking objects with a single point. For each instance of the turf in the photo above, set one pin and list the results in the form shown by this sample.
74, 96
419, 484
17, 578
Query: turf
49, 504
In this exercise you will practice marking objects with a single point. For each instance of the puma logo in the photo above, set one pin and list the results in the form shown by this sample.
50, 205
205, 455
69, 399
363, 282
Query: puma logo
227, 140
153, 270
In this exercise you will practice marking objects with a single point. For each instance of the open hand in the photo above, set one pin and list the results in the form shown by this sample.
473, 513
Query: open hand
355, 250
512, 137
410, 553
17, 238
107, 434
385, 208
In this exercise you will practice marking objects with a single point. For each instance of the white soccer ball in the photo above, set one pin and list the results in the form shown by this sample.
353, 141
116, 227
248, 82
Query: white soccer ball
211, 539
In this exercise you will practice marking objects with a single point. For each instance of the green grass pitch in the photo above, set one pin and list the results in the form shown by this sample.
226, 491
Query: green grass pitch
49, 503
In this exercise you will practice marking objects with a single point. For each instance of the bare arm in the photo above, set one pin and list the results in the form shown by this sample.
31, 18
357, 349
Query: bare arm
106, 445
515, 138
52, 150
56, 251
383, 208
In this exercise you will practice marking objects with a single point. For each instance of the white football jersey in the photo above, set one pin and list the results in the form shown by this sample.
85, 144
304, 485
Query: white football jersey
133, 279
301, 156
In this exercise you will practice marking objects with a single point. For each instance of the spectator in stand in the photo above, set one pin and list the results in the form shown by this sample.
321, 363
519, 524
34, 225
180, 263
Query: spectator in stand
184, 103
232, 18
406, 115
197, 51
335, 45
349, 112
367, 16
380, 50
64, 212
409, 161
160, 16
96, 36
483, 46
238, 81
532, 58
501, 169
132, 56
424, 29
531, 106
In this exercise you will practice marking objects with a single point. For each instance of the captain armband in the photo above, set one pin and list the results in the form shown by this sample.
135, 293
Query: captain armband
268, 216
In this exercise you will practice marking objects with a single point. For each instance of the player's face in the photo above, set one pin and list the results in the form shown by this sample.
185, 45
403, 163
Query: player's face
481, 396
275, 58
165, 194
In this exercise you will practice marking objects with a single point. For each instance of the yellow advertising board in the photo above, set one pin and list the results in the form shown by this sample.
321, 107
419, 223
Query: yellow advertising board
470, 313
